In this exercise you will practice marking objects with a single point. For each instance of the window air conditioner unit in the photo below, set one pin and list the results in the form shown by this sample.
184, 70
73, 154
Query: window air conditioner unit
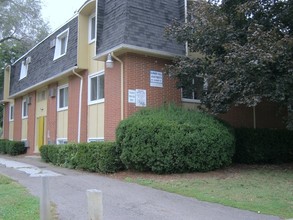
26, 143
52, 92
29, 100
52, 43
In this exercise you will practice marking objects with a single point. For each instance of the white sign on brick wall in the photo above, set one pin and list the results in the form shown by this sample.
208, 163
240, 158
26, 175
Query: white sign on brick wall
131, 96
141, 98
156, 79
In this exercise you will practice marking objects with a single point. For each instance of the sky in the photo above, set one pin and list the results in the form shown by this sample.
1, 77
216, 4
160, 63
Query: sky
57, 12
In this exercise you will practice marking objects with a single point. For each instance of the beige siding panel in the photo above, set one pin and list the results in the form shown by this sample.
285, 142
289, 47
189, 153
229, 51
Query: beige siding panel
24, 129
41, 104
82, 49
96, 121
62, 124
11, 127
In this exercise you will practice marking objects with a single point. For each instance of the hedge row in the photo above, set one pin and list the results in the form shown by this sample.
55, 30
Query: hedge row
173, 140
103, 157
254, 146
12, 148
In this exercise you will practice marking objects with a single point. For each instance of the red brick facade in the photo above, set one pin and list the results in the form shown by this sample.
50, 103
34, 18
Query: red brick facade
267, 115
136, 76
51, 130
17, 119
73, 108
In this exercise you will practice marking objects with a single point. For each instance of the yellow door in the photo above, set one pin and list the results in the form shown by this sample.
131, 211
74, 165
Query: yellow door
41, 122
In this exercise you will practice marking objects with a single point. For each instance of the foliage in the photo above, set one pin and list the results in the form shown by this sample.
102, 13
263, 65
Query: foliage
262, 189
243, 48
170, 140
21, 27
95, 157
263, 146
12, 148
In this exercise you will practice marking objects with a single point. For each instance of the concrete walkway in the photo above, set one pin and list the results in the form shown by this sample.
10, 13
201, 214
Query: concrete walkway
121, 201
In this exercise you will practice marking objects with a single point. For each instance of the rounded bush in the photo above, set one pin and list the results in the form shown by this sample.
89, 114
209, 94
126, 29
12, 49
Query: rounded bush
171, 140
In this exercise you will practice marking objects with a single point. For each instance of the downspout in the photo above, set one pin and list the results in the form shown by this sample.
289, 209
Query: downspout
122, 84
80, 99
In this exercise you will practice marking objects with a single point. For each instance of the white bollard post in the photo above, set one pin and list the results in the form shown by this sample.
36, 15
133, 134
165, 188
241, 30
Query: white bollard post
45, 201
95, 204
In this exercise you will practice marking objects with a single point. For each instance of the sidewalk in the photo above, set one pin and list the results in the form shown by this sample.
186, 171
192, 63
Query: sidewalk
121, 201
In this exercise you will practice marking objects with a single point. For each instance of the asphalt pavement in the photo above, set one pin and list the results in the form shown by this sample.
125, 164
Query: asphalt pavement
121, 200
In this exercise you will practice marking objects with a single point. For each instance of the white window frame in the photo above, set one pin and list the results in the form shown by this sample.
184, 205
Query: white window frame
193, 100
11, 112
61, 141
23, 70
90, 77
90, 30
95, 139
58, 98
64, 34
24, 113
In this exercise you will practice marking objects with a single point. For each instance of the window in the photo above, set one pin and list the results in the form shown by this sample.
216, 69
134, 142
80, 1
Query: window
195, 90
62, 98
11, 112
96, 88
61, 44
92, 28
62, 141
25, 107
23, 70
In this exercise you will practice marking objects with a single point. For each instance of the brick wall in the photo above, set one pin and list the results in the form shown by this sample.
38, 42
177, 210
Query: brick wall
31, 123
136, 76
17, 119
51, 128
73, 108
267, 115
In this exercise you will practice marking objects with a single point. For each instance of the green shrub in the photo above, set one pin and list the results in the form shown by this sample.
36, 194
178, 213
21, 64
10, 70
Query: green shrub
263, 146
109, 158
87, 157
16, 148
12, 148
94, 157
67, 156
171, 139
3, 146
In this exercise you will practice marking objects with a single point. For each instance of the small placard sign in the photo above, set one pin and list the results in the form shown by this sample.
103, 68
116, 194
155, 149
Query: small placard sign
156, 79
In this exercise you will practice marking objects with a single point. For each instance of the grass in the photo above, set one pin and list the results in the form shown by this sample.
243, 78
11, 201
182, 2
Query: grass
16, 203
267, 189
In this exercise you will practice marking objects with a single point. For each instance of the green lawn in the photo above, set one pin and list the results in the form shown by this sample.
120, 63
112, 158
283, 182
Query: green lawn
266, 189
16, 203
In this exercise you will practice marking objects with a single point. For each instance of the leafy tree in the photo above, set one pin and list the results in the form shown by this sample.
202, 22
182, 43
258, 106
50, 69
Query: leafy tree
243, 48
21, 27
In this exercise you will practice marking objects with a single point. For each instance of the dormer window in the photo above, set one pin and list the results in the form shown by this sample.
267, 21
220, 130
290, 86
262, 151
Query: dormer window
92, 28
61, 44
24, 68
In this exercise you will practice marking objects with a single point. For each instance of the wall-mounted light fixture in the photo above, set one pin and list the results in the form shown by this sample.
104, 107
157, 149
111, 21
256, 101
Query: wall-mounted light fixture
109, 61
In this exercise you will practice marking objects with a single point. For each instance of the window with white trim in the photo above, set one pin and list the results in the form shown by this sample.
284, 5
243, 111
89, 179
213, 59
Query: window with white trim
62, 98
194, 91
24, 107
61, 44
23, 70
96, 88
92, 28
11, 112
62, 141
